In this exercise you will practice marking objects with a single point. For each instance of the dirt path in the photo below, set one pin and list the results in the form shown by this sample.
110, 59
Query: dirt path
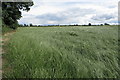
1, 56
3, 39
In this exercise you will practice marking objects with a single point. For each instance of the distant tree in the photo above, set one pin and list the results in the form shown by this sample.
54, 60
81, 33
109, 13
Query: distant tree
89, 24
76, 24
106, 24
25, 25
11, 12
31, 24
39, 25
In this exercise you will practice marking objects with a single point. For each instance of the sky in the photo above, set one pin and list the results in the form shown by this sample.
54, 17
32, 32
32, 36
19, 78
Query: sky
81, 12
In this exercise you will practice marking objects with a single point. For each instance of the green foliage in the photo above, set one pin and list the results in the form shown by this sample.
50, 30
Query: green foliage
63, 52
89, 24
31, 25
5, 29
11, 12
106, 24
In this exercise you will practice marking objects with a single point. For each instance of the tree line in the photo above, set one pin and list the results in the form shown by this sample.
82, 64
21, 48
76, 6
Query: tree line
32, 25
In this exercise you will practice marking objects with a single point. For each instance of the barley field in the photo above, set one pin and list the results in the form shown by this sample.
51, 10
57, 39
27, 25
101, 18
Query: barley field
62, 52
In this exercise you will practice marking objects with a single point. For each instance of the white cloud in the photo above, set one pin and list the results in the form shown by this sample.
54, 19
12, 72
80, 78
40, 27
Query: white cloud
71, 11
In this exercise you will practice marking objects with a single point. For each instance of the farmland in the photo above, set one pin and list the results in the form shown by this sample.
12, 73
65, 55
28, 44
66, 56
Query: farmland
62, 52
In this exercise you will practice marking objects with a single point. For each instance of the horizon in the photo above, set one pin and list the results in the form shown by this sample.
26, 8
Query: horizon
69, 24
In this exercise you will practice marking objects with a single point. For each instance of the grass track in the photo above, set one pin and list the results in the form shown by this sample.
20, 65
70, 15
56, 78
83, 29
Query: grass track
63, 52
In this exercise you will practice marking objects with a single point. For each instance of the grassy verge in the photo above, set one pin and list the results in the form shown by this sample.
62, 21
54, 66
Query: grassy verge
63, 52
6, 29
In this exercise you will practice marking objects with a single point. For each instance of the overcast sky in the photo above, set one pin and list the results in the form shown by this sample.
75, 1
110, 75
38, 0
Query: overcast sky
71, 12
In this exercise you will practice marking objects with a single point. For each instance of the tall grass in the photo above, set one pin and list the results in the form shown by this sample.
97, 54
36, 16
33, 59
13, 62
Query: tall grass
63, 52
5, 29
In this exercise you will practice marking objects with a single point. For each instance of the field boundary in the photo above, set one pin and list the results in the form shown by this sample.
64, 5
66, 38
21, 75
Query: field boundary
4, 39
